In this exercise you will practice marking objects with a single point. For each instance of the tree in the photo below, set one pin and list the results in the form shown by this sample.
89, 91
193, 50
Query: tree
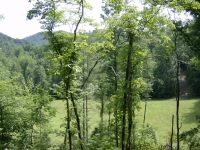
163, 73
64, 47
24, 116
134, 25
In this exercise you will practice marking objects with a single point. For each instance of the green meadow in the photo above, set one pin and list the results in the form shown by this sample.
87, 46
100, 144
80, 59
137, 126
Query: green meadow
158, 115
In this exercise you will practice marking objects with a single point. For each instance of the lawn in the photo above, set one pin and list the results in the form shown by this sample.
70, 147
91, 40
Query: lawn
59, 105
159, 116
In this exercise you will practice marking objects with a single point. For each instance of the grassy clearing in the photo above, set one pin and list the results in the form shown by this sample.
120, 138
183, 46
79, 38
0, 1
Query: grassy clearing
93, 113
59, 105
159, 116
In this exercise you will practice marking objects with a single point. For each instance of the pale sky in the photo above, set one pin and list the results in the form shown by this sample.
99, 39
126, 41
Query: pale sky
15, 23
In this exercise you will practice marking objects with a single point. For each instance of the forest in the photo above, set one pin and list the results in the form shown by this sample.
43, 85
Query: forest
99, 89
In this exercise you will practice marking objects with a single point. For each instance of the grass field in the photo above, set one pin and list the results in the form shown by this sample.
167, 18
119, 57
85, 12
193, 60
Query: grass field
159, 116
60, 105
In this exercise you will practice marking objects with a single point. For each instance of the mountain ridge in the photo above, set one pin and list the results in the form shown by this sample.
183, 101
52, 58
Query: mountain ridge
7, 42
37, 38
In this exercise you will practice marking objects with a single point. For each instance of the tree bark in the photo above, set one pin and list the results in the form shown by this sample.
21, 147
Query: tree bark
115, 88
177, 93
128, 97
68, 130
177, 62
172, 134
77, 121
145, 111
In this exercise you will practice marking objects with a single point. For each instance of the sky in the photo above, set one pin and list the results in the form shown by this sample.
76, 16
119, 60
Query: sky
15, 23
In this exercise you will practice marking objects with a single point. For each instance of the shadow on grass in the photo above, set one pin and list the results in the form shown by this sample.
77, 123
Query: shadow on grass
190, 116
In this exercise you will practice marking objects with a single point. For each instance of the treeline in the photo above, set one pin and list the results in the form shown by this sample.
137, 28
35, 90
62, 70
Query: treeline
26, 59
24, 84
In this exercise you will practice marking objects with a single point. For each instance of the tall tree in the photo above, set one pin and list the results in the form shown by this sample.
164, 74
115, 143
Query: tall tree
133, 25
64, 50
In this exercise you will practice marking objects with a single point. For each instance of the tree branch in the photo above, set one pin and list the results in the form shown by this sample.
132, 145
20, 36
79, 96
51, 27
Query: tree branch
79, 21
96, 62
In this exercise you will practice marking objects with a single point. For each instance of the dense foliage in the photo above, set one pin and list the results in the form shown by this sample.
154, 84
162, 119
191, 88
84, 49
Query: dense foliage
137, 55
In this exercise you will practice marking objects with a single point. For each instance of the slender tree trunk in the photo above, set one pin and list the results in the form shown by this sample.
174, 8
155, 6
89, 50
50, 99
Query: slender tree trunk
68, 84
116, 106
86, 108
84, 116
177, 114
116, 127
177, 62
84, 120
102, 111
85, 102
77, 121
130, 120
124, 121
109, 122
68, 127
87, 127
84, 85
128, 98
145, 111
85, 99
172, 134
177, 98
2, 131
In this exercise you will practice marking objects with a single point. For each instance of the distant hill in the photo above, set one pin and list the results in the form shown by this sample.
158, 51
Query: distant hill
8, 43
37, 38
